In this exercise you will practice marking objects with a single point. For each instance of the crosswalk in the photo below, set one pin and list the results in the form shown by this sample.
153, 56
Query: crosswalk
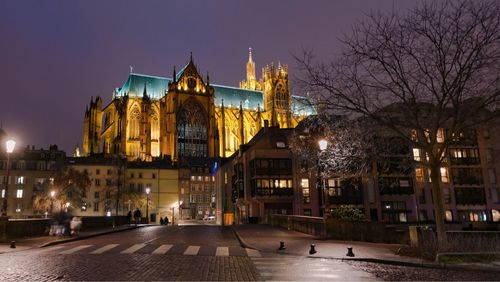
290, 268
163, 249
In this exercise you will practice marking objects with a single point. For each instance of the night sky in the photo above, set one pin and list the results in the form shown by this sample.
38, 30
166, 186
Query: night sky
55, 55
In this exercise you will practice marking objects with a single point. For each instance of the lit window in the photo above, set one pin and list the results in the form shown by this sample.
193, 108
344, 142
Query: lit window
419, 174
20, 180
193, 178
19, 193
448, 215
304, 182
280, 145
200, 178
416, 154
225, 177
444, 175
3, 193
414, 135
495, 215
440, 135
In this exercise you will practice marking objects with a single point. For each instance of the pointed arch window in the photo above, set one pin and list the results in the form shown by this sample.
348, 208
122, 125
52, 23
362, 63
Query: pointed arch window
192, 140
134, 124
155, 127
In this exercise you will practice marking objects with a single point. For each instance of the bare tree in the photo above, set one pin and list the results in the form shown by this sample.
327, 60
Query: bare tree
433, 67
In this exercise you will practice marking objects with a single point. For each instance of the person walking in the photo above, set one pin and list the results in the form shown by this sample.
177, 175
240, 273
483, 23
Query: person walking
137, 215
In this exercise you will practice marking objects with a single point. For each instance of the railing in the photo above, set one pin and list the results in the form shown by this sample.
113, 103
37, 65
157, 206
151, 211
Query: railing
269, 192
305, 224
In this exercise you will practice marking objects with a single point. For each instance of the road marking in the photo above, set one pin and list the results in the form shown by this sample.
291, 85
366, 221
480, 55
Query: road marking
104, 249
252, 252
284, 275
222, 251
192, 250
161, 250
133, 249
75, 249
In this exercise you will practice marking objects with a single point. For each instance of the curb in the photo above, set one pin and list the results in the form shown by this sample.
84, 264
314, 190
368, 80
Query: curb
244, 244
57, 242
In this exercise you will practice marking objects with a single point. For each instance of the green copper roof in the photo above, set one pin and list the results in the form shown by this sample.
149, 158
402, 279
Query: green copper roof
156, 87
233, 96
134, 86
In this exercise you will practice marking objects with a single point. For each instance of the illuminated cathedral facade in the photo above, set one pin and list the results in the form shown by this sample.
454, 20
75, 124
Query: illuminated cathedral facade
188, 116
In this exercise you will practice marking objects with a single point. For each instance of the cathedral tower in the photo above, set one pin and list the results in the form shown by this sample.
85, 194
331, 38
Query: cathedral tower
92, 127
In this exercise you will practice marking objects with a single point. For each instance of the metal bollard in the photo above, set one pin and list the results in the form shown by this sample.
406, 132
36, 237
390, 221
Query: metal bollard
349, 252
13, 244
312, 251
282, 246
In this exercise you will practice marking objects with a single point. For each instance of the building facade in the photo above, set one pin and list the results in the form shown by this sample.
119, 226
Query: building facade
31, 173
188, 116
265, 177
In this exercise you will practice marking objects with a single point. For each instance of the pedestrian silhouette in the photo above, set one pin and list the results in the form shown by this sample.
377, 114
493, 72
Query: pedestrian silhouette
166, 220
137, 215
161, 221
129, 217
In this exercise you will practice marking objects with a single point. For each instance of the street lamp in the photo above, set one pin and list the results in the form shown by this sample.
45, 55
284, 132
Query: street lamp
322, 143
52, 195
10, 145
148, 190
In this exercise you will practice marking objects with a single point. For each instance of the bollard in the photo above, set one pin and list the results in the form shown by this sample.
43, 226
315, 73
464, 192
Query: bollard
312, 251
282, 246
349, 252
13, 244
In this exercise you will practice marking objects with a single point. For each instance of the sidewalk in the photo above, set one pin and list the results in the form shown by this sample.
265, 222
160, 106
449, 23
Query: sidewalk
44, 241
266, 239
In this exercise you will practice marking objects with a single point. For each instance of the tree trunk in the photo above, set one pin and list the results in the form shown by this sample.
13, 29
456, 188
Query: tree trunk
437, 196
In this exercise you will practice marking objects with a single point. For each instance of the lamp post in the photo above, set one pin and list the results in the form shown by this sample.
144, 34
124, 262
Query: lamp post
52, 195
148, 190
10, 145
322, 143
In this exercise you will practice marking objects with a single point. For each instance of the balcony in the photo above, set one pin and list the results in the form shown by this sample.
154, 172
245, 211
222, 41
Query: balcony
272, 192
345, 200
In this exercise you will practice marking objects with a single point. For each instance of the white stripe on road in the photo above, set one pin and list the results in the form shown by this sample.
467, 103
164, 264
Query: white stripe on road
75, 249
286, 276
133, 249
252, 253
161, 250
222, 251
192, 250
104, 249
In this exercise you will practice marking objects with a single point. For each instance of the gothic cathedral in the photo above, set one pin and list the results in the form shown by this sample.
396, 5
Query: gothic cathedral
187, 116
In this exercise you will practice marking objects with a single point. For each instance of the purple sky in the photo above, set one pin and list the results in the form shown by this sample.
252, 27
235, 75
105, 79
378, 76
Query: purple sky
55, 55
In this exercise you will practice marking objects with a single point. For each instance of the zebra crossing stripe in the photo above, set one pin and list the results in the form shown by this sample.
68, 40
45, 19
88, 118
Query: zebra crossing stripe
192, 250
75, 249
161, 250
104, 249
133, 249
222, 251
252, 252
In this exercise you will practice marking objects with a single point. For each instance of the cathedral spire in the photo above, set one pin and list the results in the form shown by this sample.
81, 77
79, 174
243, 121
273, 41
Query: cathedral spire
144, 92
250, 55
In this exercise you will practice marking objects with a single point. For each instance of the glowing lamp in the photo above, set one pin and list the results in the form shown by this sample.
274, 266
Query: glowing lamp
10, 144
322, 144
